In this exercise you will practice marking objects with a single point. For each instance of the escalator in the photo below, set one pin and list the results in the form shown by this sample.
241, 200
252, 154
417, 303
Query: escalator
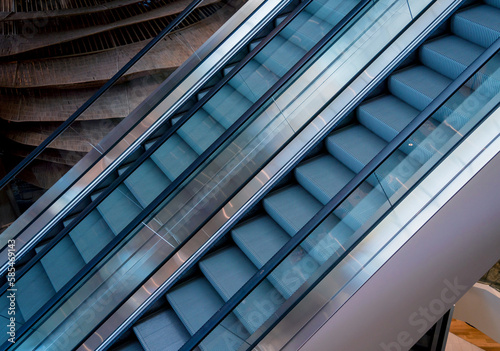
285, 210
61, 262
315, 182
191, 135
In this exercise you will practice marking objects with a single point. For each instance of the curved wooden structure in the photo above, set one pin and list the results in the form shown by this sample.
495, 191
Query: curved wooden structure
23, 42
39, 91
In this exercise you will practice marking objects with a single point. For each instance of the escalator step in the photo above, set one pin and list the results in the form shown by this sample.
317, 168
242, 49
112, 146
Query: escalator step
331, 11
280, 19
260, 238
355, 146
280, 55
387, 116
305, 30
324, 177
495, 3
419, 86
117, 207
174, 156
202, 93
228, 270
253, 80
200, 131
254, 43
161, 332
62, 262
229, 68
91, 235
227, 105
195, 302
35, 279
146, 182
478, 24
292, 207
449, 55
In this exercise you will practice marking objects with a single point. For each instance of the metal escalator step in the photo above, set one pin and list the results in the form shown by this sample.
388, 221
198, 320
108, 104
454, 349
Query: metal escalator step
279, 55
292, 207
194, 302
35, 279
200, 131
260, 238
62, 262
228, 270
306, 30
91, 235
174, 156
146, 182
227, 105
162, 331
477, 24
253, 80
119, 208
355, 146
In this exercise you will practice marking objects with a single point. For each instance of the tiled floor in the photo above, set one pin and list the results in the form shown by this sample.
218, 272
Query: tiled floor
455, 343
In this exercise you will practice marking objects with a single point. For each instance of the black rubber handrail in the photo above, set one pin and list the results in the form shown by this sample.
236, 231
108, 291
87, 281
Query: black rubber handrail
66, 124
184, 175
332, 205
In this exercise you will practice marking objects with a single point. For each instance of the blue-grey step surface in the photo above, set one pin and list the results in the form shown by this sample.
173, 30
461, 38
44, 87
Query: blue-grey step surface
292, 207
119, 208
62, 262
91, 235
449, 55
306, 30
495, 3
324, 176
355, 146
387, 116
162, 331
200, 131
418, 86
173, 156
227, 105
253, 80
332, 11
478, 24
194, 302
228, 270
146, 182
34, 280
260, 238
280, 55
